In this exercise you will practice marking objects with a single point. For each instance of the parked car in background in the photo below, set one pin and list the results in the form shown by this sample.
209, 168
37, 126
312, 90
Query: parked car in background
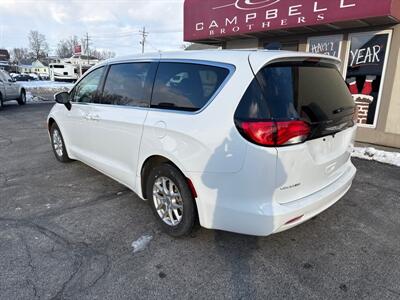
253, 142
34, 75
10, 90
24, 77
44, 76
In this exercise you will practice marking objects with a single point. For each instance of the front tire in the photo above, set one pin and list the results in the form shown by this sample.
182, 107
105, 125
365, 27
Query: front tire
22, 98
58, 145
1, 102
171, 200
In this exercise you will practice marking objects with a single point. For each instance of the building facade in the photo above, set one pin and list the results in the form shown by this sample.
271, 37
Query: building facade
36, 67
364, 34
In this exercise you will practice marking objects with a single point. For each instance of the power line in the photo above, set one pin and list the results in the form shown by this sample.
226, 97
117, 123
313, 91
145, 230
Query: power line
152, 46
144, 34
132, 31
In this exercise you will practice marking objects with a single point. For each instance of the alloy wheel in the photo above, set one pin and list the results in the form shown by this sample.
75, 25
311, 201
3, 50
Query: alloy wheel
57, 143
168, 201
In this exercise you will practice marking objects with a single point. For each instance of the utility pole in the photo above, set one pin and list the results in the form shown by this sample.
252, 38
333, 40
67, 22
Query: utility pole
87, 47
144, 34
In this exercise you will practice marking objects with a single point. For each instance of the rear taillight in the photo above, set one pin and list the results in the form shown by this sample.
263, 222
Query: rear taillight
275, 133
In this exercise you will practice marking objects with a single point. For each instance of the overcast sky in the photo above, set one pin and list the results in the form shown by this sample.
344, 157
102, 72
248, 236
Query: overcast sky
111, 25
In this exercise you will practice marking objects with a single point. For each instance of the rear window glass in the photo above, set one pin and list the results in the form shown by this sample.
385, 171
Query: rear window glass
285, 91
185, 86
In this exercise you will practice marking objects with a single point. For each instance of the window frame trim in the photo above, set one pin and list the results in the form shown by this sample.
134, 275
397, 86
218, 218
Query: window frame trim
230, 67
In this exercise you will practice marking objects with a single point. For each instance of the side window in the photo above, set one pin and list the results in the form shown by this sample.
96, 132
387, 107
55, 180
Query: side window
86, 90
6, 77
129, 84
186, 86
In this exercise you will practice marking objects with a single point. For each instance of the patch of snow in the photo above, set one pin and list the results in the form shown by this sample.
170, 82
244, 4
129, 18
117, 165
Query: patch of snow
46, 84
392, 158
48, 205
39, 91
18, 208
34, 75
31, 98
141, 243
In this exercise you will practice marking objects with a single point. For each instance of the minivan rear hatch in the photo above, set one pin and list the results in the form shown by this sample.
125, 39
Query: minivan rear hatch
307, 90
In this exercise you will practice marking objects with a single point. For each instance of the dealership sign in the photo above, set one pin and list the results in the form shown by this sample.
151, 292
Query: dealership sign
205, 19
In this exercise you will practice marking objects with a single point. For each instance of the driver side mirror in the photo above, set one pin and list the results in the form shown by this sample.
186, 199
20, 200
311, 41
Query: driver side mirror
63, 98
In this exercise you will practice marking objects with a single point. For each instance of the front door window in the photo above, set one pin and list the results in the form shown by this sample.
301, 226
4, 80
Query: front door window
86, 90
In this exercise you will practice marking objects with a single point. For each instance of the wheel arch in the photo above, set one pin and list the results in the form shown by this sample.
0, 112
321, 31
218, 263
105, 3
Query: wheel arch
50, 123
155, 160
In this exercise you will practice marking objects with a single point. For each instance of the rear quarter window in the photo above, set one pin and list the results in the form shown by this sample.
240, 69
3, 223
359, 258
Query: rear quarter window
186, 86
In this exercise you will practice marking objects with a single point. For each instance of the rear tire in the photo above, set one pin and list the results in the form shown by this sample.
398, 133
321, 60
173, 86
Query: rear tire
171, 200
58, 145
22, 98
1, 102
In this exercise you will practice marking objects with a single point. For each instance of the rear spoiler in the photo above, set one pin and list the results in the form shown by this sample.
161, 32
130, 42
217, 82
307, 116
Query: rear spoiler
260, 59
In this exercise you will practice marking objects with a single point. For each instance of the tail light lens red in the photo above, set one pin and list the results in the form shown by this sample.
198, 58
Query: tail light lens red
275, 134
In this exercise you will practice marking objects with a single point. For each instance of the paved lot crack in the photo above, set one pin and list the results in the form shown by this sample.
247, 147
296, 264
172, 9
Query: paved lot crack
89, 264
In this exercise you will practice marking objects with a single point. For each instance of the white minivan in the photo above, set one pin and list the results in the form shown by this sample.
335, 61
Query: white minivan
253, 142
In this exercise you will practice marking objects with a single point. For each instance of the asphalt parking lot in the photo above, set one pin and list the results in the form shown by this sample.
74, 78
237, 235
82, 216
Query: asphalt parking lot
66, 233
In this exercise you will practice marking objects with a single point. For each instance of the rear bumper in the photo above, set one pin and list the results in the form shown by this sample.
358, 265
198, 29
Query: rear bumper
261, 219
314, 204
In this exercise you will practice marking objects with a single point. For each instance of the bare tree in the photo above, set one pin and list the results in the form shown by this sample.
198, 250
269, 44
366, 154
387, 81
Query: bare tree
102, 54
106, 54
19, 54
38, 44
65, 48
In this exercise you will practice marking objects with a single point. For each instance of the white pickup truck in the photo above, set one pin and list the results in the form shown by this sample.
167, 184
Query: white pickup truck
10, 90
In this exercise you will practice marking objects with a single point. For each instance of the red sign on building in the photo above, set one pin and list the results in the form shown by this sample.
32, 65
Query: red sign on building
208, 19
78, 49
